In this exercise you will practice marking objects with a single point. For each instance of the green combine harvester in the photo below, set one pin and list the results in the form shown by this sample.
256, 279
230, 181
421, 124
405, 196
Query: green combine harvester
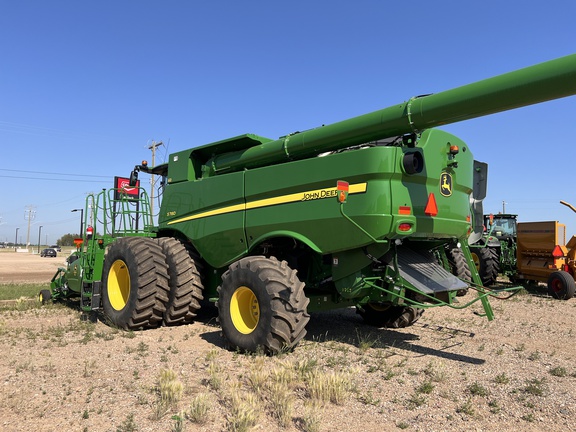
373, 212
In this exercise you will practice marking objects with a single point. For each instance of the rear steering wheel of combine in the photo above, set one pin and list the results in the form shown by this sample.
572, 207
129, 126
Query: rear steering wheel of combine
561, 285
135, 283
380, 315
459, 266
486, 261
262, 305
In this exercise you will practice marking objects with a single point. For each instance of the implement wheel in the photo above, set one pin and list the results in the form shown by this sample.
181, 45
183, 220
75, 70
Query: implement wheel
44, 296
262, 305
185, 283
380, 315
561, 285
135, 283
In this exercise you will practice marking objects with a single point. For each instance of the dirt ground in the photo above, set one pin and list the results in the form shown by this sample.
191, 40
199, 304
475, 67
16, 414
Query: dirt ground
451, 371
25, 267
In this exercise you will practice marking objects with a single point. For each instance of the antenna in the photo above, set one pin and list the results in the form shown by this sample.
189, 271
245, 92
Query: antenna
153, 147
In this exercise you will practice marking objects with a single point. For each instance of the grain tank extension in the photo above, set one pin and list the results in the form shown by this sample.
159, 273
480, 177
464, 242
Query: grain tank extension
372, 212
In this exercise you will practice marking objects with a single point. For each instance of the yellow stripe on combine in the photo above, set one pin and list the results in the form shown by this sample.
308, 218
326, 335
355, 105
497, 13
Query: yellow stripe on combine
284, 199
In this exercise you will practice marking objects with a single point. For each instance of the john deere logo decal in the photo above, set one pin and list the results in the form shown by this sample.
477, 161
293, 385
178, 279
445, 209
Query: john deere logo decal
446, 184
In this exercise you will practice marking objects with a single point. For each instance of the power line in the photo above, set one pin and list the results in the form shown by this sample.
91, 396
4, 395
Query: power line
53, 173
53, 179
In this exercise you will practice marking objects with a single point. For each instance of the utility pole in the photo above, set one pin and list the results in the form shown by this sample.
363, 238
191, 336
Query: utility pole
153, 147
504, 207
39, 233
29, 215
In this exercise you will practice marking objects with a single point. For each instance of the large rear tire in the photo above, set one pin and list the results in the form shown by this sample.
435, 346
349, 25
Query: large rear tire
185, 283
262, 305
561, 285
389, 316
135, 283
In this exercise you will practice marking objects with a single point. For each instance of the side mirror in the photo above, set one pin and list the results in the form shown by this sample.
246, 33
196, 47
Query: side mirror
478, 194
133, 178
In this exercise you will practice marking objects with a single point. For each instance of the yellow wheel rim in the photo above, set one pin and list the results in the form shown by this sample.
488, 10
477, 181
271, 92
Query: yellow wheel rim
244, 310
476, 261
118, 285
378, 307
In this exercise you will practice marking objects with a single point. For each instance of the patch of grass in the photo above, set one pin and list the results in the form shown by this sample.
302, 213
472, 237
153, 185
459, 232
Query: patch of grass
16, 291
244, 412
388, 374
281, 403
426, 387
477, 389
535, 387
436, 374
365, 342
128, 425
467, 408
211, 355
494, 407
215, 379
257, 377
501, 379
303, 367
332, 386
178, 425
559, 371
170, 387
142, 349
415, 401
312, 419
368, 399
170, 390
528, 417
199, 409
283, 374
534, 356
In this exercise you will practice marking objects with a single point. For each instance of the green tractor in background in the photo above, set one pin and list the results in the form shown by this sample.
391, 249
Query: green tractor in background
495, 251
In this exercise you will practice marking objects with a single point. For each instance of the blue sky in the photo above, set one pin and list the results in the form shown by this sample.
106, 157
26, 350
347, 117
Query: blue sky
85, 87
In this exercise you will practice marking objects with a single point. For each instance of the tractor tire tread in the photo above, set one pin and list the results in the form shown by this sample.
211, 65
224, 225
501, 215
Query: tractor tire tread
147, 307
185, 283
288, 302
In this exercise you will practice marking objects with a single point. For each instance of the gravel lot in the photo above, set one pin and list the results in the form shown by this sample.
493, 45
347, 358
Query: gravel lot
451, 371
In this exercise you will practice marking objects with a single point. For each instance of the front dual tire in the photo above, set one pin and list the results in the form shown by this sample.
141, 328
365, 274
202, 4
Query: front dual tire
135, 283
148, 282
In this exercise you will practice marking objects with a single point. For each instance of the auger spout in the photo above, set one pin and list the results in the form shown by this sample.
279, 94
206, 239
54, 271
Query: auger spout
532, 85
